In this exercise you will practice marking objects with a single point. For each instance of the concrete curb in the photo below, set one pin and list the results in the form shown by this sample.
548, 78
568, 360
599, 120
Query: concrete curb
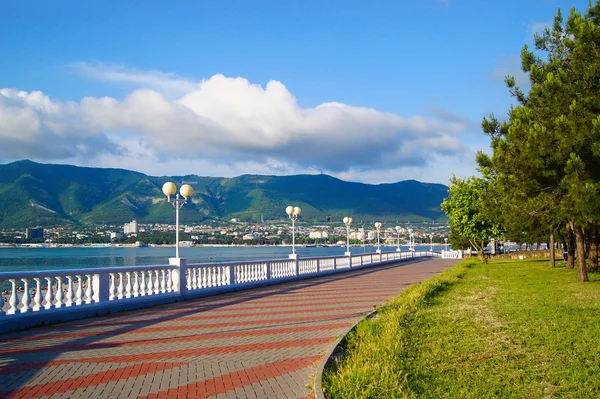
328, 358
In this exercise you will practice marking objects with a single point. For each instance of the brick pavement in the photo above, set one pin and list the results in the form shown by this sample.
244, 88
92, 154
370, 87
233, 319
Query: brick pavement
260, 343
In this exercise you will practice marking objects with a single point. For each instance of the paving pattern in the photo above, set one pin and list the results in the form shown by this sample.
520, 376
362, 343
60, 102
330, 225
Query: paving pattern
260, 343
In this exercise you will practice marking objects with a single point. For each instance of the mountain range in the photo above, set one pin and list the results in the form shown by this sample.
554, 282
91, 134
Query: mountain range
34, 194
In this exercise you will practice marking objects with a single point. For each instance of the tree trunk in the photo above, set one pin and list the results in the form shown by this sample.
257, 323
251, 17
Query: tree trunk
571, 245
563, 242
551, 248
593, 228
581, 268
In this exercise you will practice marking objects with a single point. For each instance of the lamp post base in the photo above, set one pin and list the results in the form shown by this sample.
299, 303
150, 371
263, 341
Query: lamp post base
347, 253
293, 256
398, 250
378, 251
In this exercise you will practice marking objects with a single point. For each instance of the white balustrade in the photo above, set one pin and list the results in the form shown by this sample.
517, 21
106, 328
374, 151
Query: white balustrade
60, 290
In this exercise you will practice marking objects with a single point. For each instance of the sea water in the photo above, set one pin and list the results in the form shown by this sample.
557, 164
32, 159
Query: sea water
32, 259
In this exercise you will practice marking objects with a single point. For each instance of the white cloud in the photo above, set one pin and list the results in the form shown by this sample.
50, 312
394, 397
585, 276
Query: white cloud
163, 82
222, 126
34, 126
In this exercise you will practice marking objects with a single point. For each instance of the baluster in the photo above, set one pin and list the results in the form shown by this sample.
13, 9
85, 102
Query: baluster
202, 277
12, 302
150, 283
25, 297
128, 285
170, 280
111, 294
194, 275
59, 293
156, 282
163, 282
189, 277
78, 291
143, 285
88, 289
1, 302
240, 276
69, 296
218, 276
37, 298
208, 273
136, 285
120, 287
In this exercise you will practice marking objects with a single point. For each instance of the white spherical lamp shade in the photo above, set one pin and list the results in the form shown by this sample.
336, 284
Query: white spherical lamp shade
297, 211
289, 210
186, 191
349, 220
398, 229
377, 225
346, 220
169, 188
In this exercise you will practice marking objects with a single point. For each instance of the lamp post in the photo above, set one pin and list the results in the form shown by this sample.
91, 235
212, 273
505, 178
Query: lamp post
185, 192
411, 242
347, 221
378, 227
398, 228
293, 212
446, 242
431, 242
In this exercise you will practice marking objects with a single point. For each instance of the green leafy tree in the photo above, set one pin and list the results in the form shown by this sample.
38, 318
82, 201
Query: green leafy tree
467, 214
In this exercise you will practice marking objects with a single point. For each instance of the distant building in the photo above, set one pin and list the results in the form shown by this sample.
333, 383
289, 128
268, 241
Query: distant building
318, 234
31, 233
357, 235
115, 236
131, 228
251, 236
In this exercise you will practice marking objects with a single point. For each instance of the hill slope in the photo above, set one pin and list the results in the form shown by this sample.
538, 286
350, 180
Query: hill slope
50, 195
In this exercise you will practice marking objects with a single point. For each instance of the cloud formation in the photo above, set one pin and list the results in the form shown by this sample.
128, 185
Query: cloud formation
227, 122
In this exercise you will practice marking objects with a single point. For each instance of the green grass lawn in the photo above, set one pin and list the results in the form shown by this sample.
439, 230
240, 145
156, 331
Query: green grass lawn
508, 329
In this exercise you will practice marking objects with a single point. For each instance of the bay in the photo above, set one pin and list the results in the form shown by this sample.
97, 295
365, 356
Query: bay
32, 259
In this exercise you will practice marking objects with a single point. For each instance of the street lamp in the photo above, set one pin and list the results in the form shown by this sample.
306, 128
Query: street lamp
446, 241
185, 191
293, 212
398, 228
431, 242
347, 221
411, 242
378, 227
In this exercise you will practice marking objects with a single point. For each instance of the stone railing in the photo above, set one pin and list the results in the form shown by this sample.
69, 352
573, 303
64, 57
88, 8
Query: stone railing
52, 296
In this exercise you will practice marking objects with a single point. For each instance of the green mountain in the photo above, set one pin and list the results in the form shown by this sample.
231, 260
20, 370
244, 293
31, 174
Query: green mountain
34, 194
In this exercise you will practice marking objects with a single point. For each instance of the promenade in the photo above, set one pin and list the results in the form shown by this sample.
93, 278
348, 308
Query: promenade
259, 343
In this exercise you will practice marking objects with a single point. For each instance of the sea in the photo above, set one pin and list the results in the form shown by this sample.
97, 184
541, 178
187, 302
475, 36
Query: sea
14, 259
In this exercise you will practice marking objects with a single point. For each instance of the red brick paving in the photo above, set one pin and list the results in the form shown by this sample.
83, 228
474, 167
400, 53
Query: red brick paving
261, 343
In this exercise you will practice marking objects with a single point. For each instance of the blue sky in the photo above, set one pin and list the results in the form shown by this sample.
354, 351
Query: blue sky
371, 91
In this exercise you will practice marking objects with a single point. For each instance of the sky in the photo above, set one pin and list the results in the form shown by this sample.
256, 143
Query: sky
369, 91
